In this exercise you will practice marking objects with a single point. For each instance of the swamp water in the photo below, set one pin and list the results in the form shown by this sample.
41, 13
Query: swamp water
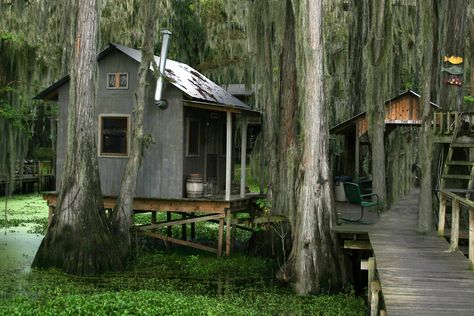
177, 282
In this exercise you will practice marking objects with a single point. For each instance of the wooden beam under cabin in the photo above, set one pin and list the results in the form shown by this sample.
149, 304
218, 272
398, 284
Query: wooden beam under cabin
357, 244
181, 221
179, 241
164, 205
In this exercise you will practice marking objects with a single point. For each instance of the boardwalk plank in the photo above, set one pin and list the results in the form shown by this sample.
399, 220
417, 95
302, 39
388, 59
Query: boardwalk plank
417, 274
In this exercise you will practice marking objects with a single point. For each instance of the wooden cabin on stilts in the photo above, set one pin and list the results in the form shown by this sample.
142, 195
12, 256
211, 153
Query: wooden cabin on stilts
402, 117
189, 163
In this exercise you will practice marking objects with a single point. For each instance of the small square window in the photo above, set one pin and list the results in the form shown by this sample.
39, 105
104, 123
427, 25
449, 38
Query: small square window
117, 80
192, 136
111, 81
113, 135
123, 80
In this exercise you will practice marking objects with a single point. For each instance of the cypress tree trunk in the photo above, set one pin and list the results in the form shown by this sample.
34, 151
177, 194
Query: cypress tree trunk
452, 34
287, 150
270, 113
378, 52
425, 42
78, 240
357, 38
471, 46
316, 261
122, 215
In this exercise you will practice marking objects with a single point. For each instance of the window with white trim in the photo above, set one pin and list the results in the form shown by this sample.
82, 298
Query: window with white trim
117, 80
114, 135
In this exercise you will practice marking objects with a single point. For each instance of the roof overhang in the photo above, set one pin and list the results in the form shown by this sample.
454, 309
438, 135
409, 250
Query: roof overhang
347, 126
192, 83
410, 92
51, 92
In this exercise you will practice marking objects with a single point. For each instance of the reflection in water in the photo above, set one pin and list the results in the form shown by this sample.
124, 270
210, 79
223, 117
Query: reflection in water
18, 248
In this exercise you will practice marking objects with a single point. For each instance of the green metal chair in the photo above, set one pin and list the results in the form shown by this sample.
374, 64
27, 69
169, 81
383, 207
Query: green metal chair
354, 196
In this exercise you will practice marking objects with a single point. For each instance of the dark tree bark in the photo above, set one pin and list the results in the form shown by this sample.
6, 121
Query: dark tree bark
123, 212
78, 240
357, 38
287, 149
425, 45
378, 52
471, 46
316, 261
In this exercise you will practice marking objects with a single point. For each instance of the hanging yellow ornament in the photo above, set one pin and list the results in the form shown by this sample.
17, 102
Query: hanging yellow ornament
455, 60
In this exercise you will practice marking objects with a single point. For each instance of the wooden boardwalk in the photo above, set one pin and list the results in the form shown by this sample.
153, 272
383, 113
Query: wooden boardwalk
418, 276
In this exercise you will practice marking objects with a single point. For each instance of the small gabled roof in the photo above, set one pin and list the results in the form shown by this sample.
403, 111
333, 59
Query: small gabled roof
184, 77
51, 92
349, 124
409, 92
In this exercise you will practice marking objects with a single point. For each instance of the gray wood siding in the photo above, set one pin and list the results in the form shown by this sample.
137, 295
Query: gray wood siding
161, 172
61, 141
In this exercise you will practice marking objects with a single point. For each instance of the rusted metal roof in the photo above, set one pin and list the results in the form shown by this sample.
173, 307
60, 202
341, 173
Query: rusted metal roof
192, 83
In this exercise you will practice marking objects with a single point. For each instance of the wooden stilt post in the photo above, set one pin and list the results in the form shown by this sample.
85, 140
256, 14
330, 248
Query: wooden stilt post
183, 228
243, 156
454, 225
442, 214
153, 217
471, 238
220, 237
169, 230
371, 278
228, 219
374, 304
193, 228
233, 236
228, 157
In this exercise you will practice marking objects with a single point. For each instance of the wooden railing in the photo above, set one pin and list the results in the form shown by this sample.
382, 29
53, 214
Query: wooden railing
446, 122
456, 202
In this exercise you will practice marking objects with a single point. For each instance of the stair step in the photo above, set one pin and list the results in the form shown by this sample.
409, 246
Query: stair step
457, 176
462, 145
460, 163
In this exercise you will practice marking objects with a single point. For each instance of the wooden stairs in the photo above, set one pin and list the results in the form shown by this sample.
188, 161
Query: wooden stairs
458, 170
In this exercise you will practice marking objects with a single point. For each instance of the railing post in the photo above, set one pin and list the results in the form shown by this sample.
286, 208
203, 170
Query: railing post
454, 225
374, 304
441, 123
371, 277
442, 214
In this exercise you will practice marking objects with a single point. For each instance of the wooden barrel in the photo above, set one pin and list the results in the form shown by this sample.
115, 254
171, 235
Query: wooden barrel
194, 185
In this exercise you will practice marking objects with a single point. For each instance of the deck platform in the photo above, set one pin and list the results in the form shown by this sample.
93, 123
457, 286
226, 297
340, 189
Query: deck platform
418, 274
214, 209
